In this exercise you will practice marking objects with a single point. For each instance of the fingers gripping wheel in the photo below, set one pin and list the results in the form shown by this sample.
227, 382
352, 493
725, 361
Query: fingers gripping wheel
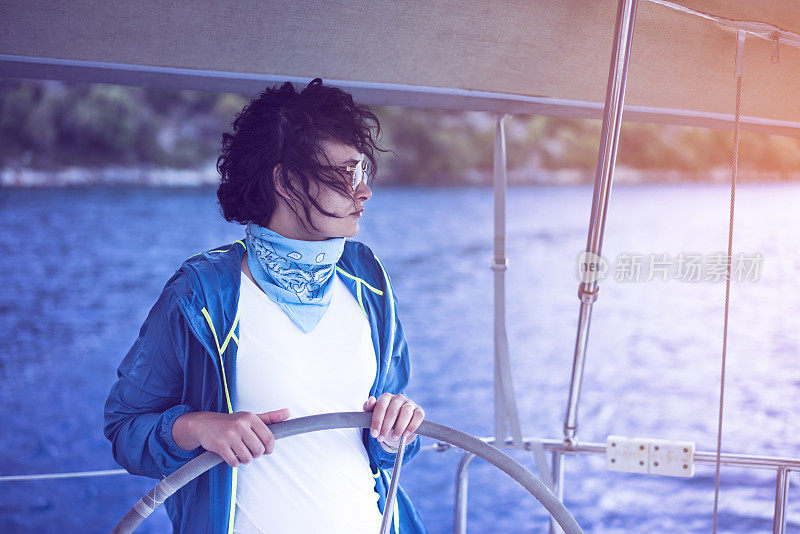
313, 423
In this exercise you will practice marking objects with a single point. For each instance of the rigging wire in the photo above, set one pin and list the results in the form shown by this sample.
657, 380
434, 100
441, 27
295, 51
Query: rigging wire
734, 172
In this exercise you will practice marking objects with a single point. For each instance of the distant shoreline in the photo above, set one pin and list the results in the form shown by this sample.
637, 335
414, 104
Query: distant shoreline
208, 176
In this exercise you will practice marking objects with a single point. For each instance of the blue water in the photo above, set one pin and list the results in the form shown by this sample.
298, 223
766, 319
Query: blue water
81, 268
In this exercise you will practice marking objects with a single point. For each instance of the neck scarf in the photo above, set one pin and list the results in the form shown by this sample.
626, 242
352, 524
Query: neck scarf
295, 274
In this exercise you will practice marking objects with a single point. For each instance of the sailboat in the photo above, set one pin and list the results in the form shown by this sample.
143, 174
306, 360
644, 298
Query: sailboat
732, 65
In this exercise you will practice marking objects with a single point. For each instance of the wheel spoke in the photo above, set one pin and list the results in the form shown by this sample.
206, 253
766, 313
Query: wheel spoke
390, 496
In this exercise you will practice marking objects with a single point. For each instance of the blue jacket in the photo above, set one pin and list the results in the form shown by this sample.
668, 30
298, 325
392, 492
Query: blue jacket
184, 360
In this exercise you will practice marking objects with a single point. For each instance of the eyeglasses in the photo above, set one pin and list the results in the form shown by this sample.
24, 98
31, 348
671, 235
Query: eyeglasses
357, 173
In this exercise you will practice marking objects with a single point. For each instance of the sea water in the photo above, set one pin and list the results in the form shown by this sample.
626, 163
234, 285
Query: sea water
82, 267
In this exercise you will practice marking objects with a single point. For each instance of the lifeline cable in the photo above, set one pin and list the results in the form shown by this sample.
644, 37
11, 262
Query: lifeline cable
74, 474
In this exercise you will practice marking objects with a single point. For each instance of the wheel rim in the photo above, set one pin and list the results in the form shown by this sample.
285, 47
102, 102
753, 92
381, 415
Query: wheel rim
313, 423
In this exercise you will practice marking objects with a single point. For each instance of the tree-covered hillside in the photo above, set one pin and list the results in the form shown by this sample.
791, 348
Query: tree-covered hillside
48, 125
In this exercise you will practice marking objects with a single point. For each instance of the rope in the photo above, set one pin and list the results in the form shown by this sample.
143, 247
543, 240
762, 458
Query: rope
734, 172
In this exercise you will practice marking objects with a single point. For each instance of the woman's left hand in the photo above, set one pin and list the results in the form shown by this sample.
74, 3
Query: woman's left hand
392, 417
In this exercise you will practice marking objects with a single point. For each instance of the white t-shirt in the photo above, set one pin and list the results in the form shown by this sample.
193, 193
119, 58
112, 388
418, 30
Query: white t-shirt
319, 481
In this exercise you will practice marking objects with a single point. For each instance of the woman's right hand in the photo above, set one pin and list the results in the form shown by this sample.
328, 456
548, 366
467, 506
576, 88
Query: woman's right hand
237, 438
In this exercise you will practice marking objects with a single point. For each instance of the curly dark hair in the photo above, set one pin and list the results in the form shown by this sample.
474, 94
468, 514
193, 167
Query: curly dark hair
286, 128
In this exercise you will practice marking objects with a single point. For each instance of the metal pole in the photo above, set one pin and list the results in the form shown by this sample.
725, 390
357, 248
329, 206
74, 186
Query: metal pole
612, 118
462, 478
505, 405
558, 485
390, 496
781, 501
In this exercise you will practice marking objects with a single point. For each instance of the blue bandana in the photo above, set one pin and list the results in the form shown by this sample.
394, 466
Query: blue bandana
297, 275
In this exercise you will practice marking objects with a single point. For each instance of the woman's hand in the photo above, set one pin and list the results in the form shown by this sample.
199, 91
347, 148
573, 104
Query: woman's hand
237, 438
392, 417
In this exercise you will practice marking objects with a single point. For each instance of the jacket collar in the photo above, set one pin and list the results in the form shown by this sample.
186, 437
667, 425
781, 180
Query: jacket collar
213, 282
212, 295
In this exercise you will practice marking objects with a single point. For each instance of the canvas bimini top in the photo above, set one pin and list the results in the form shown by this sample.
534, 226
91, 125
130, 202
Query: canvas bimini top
547, 57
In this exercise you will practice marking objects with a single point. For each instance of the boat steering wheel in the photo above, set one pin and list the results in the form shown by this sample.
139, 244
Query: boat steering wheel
301, 425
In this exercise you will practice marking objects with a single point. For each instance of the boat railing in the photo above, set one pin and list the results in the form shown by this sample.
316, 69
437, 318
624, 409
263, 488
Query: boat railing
781, 465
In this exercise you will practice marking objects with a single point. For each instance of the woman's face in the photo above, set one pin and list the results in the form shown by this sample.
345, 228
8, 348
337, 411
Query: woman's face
348, 208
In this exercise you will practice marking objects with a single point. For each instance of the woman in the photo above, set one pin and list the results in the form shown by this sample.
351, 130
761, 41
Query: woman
293, 320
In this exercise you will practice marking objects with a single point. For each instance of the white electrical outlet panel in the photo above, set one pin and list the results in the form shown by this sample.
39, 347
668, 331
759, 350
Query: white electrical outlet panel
631, 455
672, 458
650, 456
